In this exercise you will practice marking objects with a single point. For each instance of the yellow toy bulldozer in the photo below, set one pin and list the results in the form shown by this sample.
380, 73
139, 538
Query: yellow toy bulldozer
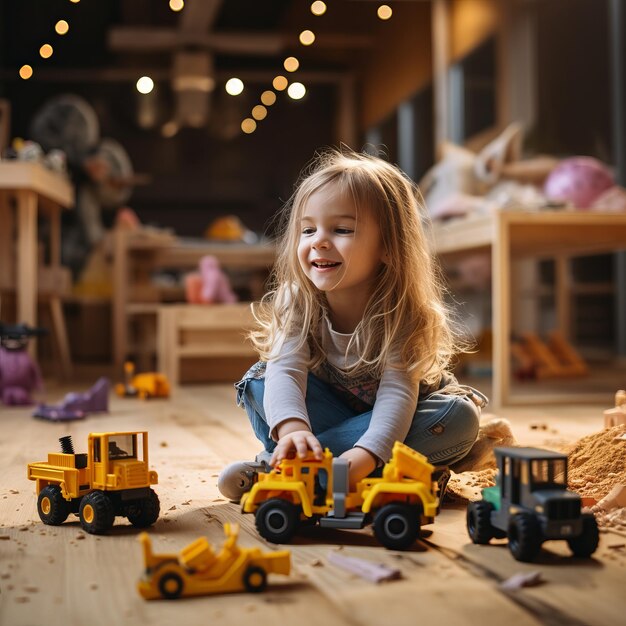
397, 503
111, 479
198, 570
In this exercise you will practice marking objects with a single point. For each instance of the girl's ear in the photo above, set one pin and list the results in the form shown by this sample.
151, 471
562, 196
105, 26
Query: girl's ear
385, 258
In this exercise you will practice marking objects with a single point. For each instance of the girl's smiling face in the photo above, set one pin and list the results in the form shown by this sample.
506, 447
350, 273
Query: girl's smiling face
340, 248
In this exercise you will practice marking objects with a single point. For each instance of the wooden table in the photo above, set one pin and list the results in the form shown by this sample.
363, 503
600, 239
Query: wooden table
144, 251
518, 234
34, 189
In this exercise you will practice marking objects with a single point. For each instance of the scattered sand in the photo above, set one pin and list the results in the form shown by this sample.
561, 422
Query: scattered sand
598, 462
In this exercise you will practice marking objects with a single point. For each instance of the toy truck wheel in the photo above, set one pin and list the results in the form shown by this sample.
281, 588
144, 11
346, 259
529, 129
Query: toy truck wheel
145, 512
478, 520
171, 585
397, 526
524, 536
277, 520
586, 543
255, 579
96, 513
52, 507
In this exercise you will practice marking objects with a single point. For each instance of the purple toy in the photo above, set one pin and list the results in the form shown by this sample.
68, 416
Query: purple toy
579, 180
19, 373
77, 405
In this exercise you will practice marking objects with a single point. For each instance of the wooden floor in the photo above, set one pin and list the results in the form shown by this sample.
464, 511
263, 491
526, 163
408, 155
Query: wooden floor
61, 576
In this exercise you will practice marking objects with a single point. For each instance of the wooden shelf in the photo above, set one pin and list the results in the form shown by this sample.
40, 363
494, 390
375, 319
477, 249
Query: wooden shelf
517, 234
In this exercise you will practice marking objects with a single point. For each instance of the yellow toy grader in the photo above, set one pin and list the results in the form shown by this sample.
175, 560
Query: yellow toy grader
198, 570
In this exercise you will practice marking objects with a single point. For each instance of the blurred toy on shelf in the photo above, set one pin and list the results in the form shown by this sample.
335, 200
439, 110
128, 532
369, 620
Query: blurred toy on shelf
579, 181
210, 285
19, 372
77, 405
229, 228
464, 182
198, 570
144, 386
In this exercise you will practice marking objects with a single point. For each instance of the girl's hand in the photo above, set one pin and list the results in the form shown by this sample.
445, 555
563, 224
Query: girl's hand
362, 464
299, 441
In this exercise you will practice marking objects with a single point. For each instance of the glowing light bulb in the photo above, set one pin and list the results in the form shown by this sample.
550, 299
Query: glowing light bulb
296, 91
307, 37
280, 83
259, 112
61, 27
248, 125
291, 64
46, 51
177, 5
26, 71
145, 85
318, 7
234, 86
268, 98
384, 12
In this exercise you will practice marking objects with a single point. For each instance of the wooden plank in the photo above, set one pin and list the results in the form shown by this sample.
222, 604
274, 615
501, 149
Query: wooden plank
20, 175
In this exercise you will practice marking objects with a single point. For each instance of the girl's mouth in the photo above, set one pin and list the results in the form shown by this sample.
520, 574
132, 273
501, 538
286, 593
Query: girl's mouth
324, 265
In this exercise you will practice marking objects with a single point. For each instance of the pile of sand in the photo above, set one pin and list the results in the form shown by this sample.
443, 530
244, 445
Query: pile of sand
598, 462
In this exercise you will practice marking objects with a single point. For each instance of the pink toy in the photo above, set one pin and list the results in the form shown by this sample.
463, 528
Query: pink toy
579, 180
19, 374
210, 286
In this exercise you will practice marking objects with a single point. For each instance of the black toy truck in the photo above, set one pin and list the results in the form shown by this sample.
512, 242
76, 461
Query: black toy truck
530, 504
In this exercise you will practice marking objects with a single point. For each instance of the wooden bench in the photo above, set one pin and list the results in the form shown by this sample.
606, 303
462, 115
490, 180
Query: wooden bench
204, 343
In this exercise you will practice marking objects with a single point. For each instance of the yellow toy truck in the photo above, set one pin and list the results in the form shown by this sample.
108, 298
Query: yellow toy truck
143, 386
111, 479
398, 502
198, 570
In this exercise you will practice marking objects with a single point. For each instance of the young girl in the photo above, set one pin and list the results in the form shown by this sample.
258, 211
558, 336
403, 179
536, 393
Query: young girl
354, 337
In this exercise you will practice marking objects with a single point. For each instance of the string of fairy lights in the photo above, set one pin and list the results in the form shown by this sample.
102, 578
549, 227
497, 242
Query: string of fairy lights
234, 86
295, 89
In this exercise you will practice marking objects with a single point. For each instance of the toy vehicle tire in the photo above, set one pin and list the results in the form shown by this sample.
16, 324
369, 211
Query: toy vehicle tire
478, 520
145, 512
277, 520
586, 543
171, 585
96, 513
52, 507
255, 579
524, 535
397, 525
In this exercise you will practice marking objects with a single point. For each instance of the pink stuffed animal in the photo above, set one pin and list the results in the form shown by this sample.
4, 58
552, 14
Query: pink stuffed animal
210, 286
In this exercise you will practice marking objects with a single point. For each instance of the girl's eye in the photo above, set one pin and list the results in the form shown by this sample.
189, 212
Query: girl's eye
344, 231
308, 230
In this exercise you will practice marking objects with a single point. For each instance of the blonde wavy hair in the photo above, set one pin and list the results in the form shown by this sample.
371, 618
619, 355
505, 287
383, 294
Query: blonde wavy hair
406, 321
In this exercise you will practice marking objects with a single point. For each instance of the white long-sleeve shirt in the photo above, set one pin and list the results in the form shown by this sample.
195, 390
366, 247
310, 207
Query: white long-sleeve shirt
392, 398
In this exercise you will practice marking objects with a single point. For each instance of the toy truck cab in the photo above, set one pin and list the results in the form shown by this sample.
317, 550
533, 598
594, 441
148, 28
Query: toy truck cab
111, 479
530, 504
299, 489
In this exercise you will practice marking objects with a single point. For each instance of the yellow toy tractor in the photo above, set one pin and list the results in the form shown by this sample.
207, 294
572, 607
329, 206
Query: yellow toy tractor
142, 386
398, 502
198, 570
111, 479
